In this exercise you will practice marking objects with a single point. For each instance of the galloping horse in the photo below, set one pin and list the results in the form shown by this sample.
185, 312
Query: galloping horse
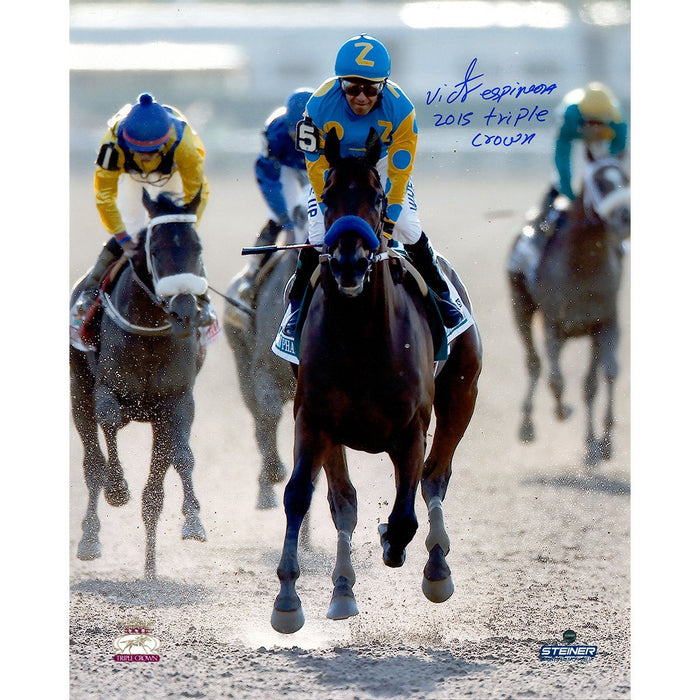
144, 370
366, 381
267, 383
575, 288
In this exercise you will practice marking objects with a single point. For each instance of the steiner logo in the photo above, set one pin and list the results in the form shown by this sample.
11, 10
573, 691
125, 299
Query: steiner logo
137, 643
570, 651
577, 651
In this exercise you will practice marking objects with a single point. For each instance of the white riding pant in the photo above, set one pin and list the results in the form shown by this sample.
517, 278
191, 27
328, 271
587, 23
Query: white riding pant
408, 228
129, 199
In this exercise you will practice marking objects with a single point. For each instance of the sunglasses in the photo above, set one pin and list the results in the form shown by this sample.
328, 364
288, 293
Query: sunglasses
354, 89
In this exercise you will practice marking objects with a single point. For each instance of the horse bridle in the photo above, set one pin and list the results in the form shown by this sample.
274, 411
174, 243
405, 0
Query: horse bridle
592, 200
112, 310
374, 256
156, 221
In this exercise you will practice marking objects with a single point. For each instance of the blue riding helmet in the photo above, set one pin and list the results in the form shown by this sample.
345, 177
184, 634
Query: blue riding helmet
147, 126
364, 57
296, 104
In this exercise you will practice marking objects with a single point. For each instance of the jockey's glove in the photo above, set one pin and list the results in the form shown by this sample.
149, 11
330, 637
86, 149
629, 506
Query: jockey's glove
127, 243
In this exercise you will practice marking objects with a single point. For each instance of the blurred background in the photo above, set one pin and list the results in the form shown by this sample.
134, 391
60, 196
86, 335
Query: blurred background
226, 65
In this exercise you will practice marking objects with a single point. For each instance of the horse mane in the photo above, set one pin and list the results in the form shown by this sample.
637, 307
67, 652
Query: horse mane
169, 203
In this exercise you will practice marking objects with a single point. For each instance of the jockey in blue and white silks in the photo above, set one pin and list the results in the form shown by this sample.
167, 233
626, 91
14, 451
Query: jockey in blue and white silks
394, 119
359, 98
280, 171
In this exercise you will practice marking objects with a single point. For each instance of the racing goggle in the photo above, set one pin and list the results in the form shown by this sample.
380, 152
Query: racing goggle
353, 88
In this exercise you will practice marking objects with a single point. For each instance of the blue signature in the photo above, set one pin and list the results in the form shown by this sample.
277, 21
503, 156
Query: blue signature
463, 89
527, 117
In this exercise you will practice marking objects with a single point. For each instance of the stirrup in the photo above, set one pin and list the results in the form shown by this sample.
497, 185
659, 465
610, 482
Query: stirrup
290, 327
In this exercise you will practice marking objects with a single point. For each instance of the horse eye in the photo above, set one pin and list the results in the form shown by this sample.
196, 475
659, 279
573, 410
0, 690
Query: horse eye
361, 265
335, 265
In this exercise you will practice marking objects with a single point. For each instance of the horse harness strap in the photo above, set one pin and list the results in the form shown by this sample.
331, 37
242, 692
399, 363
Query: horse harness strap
391, 253
126, 325
156, 221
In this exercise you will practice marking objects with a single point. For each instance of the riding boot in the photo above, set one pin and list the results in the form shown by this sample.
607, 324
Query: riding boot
423, 258
245, 288
109, 254
306, 264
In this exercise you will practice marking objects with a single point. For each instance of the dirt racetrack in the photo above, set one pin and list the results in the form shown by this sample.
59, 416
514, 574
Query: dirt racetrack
538, 546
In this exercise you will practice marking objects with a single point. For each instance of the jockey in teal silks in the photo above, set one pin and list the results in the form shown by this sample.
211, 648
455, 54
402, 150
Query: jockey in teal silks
592, 116
361, 97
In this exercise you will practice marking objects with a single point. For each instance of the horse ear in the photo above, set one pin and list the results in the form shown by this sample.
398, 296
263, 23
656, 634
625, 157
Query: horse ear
373, 147
194, 203
332, 148
148, 202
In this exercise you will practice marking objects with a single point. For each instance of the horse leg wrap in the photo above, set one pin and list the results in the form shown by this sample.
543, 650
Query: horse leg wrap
437, 533
343, 564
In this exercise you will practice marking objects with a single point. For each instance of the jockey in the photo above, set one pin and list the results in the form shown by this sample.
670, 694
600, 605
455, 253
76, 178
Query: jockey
358, 98
590, 115
280, 171
147, 146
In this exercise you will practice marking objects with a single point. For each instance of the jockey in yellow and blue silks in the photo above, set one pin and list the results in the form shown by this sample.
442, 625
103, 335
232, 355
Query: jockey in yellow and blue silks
147, 145
361, 97
280, 171
592, 116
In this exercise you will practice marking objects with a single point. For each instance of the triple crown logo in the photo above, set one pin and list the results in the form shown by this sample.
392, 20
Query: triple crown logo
137, 643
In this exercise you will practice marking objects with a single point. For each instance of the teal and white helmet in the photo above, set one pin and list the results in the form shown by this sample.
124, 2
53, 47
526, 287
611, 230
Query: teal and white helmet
363, 57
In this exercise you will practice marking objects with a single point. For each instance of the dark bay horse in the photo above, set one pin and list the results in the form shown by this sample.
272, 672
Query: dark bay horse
266, 381
144, 370
366, 381
575, 289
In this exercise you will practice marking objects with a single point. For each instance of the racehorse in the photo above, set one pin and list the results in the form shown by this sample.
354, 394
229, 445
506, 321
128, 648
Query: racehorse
267, 383
575, 289
366, 381
144, 370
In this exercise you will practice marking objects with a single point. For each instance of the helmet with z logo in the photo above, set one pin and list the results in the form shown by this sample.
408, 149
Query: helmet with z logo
364, 57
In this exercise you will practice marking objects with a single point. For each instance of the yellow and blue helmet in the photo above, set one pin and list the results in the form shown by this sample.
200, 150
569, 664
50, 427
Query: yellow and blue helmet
147, 126
363, 57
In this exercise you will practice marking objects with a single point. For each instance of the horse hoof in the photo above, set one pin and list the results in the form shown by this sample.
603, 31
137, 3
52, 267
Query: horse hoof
193, 530
267, 498
117, 494
89, 549
605, 449
438, 591
342, 607
389, 556
527, 432
287, 621
563, 412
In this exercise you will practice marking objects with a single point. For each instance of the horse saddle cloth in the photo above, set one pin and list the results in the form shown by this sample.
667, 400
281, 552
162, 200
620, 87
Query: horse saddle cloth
287, 348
